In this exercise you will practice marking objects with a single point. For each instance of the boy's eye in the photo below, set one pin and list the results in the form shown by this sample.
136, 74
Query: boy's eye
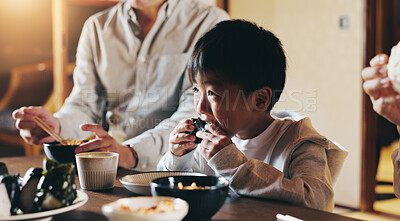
210, 93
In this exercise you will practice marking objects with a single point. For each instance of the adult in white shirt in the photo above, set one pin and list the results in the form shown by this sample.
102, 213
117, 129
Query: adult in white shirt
130, 71
386, 102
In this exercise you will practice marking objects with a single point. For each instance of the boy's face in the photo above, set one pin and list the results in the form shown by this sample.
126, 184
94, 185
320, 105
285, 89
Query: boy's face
222, 103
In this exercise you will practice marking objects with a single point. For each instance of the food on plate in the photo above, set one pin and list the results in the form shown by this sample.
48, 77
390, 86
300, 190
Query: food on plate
11, 182
4, 202
57, 186
199, 126
162, 207
41, 189
193, 186
3, 169
29, 189
393, 67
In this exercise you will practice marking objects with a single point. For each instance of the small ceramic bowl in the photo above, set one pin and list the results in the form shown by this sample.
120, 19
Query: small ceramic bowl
203, 203
60, 153
114, 212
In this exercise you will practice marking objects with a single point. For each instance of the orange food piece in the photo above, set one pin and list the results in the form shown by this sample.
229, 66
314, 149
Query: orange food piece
193, 186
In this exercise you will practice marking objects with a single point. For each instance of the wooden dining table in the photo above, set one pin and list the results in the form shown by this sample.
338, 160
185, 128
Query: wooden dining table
234, 208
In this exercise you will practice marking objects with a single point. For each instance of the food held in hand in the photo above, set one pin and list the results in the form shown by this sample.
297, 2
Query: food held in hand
199, 126
394, 67
162, 207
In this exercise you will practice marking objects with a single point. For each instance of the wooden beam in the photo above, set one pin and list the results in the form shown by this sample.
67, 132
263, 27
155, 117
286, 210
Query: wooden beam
60, 51
105, 3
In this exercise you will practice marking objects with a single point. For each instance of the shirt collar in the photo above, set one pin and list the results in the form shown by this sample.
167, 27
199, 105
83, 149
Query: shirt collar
165, 10
171, 6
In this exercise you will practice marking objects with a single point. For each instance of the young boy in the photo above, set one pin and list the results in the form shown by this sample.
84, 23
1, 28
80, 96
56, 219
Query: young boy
238, 73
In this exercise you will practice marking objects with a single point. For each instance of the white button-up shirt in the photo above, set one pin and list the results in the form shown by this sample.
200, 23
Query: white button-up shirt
140, 85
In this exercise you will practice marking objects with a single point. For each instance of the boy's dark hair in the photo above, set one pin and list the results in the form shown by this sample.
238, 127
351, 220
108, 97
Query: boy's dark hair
242, 53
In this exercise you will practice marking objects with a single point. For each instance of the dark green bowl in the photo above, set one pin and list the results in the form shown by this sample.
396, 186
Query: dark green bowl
203, 203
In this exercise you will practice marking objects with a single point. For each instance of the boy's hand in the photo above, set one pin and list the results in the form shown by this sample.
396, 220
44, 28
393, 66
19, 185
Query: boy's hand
214, 140
181, 143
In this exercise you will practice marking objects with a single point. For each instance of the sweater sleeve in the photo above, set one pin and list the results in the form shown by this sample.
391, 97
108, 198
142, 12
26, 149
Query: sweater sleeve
308, 182
396, 172
170, 162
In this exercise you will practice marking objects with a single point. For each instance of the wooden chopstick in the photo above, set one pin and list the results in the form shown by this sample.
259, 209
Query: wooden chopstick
48, 129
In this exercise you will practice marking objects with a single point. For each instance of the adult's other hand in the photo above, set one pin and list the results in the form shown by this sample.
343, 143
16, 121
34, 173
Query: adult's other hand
105, 142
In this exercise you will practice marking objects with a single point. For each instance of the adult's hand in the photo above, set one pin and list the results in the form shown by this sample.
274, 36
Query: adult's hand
105, 142
377, 85
29, 130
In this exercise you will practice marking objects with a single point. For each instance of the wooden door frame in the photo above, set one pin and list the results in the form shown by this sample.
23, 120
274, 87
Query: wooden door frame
369, 118
382, 32
223, 4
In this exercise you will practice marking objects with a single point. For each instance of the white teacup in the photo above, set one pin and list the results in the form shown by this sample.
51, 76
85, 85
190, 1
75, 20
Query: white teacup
97, 170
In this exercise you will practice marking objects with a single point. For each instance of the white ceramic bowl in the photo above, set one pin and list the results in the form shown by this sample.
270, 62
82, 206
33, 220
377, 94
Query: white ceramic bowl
113, 212
140, 183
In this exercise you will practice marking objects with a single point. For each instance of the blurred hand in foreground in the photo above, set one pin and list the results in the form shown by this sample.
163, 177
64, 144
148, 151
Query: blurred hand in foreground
378, 86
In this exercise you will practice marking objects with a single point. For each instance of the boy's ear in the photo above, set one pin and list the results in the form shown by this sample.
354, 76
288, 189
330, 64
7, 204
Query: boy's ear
262, 98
